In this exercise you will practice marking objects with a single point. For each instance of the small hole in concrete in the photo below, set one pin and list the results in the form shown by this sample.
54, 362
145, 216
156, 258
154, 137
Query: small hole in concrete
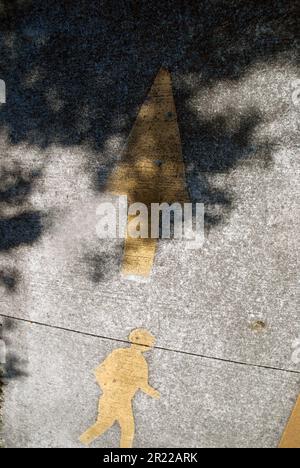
258, 325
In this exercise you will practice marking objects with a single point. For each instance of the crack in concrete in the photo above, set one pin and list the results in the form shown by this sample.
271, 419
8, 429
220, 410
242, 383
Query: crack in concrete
178, 351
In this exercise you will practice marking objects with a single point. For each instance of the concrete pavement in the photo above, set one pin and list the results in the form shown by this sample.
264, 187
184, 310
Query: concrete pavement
225, 317
203, 403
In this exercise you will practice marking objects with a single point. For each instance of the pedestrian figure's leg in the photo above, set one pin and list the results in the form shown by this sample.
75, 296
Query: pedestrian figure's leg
104, 422
96, 431
127, 425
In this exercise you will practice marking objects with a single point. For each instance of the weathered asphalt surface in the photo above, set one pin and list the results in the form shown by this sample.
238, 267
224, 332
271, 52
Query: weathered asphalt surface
225, 317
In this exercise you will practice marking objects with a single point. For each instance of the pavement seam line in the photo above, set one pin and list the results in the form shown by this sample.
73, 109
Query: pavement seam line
118, 340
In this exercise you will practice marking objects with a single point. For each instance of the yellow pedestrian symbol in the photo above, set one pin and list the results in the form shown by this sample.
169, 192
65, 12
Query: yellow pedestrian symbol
123, 373
291, 435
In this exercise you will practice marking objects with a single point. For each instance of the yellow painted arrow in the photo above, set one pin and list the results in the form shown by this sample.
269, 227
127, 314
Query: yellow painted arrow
152, 168
291, 435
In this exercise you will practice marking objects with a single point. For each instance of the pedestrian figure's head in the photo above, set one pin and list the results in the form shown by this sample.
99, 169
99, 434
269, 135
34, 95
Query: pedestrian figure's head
141, 340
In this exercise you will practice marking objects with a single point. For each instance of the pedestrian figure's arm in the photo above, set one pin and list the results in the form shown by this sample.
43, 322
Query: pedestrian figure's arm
146, 387
151, 391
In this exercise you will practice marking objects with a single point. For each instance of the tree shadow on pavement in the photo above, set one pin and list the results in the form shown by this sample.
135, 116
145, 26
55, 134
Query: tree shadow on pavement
77, 73
9, 278
20, 224
13, 367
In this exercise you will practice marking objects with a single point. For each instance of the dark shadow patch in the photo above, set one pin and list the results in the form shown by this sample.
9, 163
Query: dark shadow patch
78, 73
9, 324
211, 148
20, 230
9, 278
12, 366
24, 227
16, 187
104, 266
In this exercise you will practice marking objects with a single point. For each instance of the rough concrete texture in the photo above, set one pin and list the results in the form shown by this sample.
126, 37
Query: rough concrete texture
76, 76
203, 403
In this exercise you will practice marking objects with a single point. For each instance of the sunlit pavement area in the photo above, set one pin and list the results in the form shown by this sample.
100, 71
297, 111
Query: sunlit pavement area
225, 317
